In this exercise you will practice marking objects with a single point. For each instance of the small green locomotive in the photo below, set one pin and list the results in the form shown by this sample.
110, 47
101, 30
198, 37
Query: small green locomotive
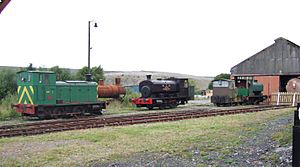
39, 94
242, 90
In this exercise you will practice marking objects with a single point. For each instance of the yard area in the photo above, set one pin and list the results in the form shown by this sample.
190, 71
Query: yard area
194, 142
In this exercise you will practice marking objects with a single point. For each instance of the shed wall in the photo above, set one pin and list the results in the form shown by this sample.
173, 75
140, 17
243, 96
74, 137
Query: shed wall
271, 83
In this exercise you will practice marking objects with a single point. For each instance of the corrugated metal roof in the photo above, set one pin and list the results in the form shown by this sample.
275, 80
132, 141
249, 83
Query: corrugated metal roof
280, 58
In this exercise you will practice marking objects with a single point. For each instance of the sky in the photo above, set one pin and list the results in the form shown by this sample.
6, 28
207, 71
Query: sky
196, 37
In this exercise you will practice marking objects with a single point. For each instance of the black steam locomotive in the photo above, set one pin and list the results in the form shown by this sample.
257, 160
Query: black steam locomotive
166, 93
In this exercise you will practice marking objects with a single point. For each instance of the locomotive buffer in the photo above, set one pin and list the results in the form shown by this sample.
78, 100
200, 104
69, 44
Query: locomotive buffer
296, 138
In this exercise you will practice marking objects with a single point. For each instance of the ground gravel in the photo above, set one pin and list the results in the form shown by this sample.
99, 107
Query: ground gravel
258, 150
261, 150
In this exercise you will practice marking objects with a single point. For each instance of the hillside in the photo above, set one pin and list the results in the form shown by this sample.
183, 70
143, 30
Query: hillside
134, 77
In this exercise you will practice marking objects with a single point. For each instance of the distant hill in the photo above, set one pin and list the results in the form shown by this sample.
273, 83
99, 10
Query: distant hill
134, 77
10, 68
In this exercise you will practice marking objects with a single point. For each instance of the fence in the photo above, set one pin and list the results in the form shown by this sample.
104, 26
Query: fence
288, 98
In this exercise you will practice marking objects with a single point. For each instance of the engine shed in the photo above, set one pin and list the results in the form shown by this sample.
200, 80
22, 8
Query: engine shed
273, 66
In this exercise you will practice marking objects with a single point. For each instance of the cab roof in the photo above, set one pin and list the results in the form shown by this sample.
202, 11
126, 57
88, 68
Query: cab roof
44, 72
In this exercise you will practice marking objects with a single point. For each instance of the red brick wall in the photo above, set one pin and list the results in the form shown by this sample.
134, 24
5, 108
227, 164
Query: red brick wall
271, 83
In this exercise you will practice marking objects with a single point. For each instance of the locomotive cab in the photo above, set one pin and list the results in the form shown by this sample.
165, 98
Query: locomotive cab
35, 87
223, 92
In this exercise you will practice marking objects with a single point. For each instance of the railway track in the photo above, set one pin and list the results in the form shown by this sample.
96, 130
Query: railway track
97, 122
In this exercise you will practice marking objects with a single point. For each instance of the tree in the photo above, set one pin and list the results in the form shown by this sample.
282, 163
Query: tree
8, 83
80, 75
218, 77
97, 73
61, 73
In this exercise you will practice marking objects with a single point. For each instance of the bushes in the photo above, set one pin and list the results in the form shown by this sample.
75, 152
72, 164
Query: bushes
8, 90
6, 112
129, 95
8, 83
116, 106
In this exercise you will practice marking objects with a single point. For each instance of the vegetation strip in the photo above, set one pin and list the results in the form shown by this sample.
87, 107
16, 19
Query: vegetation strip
55, 126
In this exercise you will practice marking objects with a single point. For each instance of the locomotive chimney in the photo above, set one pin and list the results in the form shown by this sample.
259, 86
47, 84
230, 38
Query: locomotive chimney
148, 77
118, 81
101, 82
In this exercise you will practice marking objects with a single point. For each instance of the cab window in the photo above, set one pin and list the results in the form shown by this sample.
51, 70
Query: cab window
220, 84
41, 78
23, 77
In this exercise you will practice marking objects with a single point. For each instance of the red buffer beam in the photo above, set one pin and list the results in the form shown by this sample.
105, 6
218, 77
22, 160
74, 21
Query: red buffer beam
3, 4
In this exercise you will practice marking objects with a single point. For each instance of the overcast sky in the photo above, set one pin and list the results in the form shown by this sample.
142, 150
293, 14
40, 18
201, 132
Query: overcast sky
195, 37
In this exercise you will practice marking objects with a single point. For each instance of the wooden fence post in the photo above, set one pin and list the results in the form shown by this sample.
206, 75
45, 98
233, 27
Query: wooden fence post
294, 98
278, 97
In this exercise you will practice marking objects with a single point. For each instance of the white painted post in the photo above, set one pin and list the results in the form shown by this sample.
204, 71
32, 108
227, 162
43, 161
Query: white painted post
278, 96
294, 99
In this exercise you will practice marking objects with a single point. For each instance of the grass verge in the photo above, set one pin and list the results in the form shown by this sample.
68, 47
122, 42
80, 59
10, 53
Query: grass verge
213, 134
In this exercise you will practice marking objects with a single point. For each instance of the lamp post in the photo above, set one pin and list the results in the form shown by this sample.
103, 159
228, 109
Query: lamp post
89, 75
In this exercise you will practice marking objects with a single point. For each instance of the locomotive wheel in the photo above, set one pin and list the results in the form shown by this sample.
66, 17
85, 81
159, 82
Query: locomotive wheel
161, 107
56, 112
172, 105
150, 107
45, 114
41, 116
78, 110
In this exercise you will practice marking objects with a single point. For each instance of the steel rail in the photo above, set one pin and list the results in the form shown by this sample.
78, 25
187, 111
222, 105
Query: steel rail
97, 122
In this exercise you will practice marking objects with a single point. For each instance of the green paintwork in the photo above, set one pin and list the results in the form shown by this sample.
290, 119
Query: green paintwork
242, 92
40, 87
36, 87
76, 91
257, 87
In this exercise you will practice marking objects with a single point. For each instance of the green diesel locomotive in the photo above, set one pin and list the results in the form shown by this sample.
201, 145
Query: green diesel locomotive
39, 94
243, 90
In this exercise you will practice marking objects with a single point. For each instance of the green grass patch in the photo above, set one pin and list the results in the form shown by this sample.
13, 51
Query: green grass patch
212, 134
284, 137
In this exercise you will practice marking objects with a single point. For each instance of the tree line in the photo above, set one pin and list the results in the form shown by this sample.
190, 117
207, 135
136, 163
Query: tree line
8, 84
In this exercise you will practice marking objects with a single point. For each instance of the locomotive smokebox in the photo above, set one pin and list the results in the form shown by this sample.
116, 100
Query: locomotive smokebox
111, 91
148, 77
118, 81
293, 85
